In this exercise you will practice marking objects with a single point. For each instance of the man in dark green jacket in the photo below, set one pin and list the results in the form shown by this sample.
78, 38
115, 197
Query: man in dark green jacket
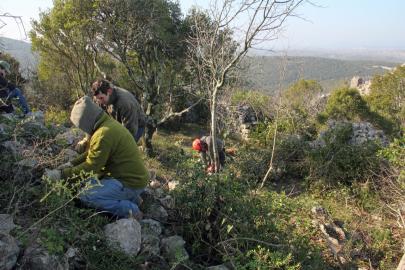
113, 156
121, 105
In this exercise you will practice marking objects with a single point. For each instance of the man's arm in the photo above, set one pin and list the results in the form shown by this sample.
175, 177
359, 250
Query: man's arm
95, 158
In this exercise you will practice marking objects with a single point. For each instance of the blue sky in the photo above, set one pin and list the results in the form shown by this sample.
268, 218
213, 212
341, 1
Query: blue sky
338, 24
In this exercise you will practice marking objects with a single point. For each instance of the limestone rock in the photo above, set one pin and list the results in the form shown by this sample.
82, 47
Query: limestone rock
37, 258
150, 244
6, 223
150, 226
167, 202
9, 251
157, 212
124, 234
173, 249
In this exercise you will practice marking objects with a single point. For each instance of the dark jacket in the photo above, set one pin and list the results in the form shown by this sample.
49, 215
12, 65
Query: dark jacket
124, 108
208, 157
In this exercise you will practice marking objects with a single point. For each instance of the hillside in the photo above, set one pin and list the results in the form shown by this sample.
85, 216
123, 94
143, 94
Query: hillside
266, 73
21, 51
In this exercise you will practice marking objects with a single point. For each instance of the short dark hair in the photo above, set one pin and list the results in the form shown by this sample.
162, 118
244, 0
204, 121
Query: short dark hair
100, 86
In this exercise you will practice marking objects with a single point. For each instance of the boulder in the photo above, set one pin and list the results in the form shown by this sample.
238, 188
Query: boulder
150, 226
167, 202
156, 212
37, 258
125, 235
150, 244
6, 223
70, 137
173, 249
9, 251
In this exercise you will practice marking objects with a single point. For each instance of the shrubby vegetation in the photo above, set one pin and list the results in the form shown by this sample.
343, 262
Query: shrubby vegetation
387, 96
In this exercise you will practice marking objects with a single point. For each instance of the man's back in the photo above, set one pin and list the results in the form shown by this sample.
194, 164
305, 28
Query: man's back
124, 108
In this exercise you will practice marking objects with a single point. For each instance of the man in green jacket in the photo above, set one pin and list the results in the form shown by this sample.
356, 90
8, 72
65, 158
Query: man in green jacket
113, 156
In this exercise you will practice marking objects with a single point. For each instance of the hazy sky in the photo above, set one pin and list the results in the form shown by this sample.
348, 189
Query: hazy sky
338, 24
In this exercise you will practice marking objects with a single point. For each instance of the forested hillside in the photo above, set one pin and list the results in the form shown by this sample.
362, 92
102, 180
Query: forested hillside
270, 74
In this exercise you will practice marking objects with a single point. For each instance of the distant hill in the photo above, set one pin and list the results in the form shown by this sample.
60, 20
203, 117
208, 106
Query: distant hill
264, 72
272, 73
21, 51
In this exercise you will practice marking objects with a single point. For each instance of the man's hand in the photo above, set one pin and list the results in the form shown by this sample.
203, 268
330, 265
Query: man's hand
82, 145
64, 166
53, 175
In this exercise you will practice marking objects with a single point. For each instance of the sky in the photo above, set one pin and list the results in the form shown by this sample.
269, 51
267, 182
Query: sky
331, 24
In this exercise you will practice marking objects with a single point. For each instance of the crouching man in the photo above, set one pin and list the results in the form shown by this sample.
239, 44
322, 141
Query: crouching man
112, 155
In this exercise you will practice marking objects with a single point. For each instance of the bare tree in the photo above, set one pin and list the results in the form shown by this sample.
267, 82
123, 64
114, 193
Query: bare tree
232, 28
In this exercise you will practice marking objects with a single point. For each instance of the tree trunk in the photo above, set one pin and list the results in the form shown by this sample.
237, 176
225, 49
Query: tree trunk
150, 129
214, 129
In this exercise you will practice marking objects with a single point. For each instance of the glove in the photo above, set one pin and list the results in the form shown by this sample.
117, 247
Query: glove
64, 165
82, 145
53, 175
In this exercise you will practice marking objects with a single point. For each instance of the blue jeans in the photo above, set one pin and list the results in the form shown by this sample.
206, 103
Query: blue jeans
16, 93
139, 133
110, 195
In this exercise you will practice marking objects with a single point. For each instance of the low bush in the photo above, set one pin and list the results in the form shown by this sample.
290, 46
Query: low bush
340, 161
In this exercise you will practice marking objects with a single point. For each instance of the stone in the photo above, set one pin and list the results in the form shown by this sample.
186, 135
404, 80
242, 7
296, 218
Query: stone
9, 251
28, 163
125, 235
173, 249
167, 202
68, 154
38, 116
6, 223
150, 226
158, 193
157, 212
155, 184
37, 258
150, 245
2, 129
13, 146
69, 137
172, 185
9, 116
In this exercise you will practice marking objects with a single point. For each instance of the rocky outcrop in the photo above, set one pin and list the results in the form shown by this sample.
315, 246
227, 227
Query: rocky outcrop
361, 84
361, 133
247, 119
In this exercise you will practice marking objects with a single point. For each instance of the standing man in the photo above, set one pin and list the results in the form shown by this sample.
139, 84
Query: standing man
9, 90
121, 105
113, 156
205, 147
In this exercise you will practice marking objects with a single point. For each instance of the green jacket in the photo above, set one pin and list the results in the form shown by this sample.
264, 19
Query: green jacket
112, 152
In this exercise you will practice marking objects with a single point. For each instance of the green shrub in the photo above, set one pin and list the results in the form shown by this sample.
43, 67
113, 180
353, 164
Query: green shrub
387, 95
340, 161
290, 157
346, 104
